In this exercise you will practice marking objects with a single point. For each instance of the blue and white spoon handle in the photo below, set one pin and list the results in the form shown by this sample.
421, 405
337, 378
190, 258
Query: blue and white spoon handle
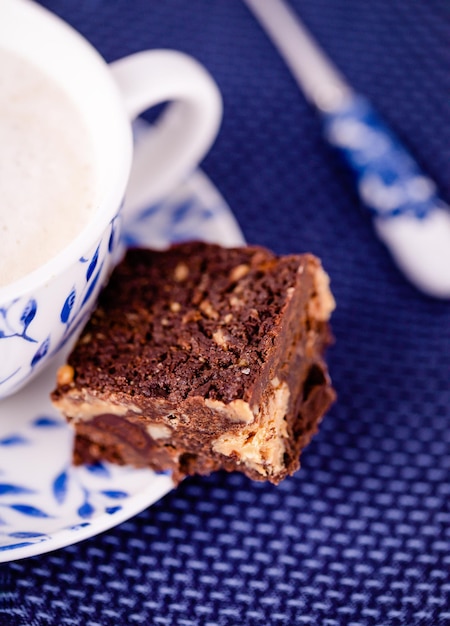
408, 215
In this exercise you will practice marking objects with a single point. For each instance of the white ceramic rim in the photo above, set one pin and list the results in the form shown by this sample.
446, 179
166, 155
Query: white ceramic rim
45, 40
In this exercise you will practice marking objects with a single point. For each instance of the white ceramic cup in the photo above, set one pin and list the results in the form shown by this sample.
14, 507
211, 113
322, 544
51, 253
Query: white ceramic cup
40, 312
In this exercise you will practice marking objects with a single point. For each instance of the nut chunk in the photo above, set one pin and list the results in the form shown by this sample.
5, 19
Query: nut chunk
202, 358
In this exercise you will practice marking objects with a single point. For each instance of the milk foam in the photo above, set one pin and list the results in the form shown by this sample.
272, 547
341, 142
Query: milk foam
47, 174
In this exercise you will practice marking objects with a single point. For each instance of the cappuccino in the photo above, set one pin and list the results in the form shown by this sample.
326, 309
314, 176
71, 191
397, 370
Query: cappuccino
47, 173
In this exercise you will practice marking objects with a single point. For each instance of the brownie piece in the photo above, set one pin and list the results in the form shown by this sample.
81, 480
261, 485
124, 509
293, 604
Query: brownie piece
202, 358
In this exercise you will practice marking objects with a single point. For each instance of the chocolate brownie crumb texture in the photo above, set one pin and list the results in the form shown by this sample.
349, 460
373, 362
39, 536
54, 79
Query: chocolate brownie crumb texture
202, 358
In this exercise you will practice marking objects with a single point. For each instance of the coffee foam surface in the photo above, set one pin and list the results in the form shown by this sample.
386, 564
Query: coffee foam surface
47, 172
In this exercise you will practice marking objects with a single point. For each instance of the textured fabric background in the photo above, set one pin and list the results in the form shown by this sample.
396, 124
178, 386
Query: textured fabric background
360, 536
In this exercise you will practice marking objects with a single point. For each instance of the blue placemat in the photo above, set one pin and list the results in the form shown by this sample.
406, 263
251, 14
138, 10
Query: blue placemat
360, 536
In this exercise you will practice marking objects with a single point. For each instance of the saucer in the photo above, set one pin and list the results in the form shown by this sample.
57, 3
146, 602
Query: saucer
45, 502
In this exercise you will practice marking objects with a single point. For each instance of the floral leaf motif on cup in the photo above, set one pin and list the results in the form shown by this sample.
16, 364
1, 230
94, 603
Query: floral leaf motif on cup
15, 320
98, 469
72, 307
114, 494
26, 535
28, 315
68, 306
29, 510
60, 486
86, 510
112, 237
45, 421
92, 286
15, 546
92, 264
13, 440
41, 352
10, 489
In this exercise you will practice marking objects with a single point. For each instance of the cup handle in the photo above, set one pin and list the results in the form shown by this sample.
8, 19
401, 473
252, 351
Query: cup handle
185, 130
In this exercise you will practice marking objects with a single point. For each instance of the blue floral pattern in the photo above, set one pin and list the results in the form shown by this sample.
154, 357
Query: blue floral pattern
194, 211
389, 180
25, 322
48, 496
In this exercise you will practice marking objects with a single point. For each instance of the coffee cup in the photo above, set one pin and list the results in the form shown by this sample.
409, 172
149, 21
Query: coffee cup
66, 158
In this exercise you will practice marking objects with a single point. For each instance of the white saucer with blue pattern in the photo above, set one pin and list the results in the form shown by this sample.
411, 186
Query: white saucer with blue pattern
45, 502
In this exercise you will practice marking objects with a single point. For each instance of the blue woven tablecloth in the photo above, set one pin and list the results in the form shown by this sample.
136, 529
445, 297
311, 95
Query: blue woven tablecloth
360, 536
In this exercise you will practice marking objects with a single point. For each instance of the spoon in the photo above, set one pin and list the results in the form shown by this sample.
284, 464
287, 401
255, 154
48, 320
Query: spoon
408, 216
